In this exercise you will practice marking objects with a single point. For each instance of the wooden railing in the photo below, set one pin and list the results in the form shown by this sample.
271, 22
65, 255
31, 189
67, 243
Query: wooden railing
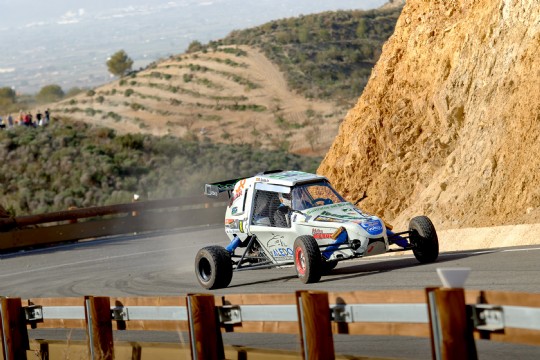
438, 313
71, 225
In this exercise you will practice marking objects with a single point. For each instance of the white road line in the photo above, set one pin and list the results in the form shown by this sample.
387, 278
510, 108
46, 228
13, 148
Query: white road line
443, 254
87, 262
489, 251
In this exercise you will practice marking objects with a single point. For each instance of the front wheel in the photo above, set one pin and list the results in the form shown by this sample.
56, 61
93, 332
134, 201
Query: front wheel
424, 239
307, 259
213, 267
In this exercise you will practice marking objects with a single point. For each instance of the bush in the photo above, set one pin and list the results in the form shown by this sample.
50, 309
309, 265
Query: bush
50, 93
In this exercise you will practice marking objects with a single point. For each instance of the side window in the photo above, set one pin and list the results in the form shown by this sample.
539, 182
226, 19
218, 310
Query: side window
264, 208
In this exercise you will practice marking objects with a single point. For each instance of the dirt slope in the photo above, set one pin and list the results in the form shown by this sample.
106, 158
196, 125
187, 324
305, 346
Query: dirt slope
449, 123
233, 95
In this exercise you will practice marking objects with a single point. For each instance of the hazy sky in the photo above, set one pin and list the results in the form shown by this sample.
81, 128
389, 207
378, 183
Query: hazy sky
67, 42
21, 12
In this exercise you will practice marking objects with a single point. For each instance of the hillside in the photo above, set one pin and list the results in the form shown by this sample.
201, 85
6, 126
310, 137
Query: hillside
284, 85
449, 123
323, 56
76, 164
233, 95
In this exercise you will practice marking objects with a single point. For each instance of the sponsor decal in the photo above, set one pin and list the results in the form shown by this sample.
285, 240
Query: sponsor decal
328, 207
284, 253
373, 227
238, 189
320, 234
326, 219
234, 197
288, 174
234, 210
278, 247
234, 224
340, 216
276, 240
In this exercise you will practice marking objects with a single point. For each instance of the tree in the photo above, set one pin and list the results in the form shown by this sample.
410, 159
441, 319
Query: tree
194, 46
74, 91
50, 93
8, 94
361, 29
119, 63
8, 97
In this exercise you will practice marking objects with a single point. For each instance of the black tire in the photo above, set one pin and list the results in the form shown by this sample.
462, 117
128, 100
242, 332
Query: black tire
424, 239
213, 267
328, 266
307, 259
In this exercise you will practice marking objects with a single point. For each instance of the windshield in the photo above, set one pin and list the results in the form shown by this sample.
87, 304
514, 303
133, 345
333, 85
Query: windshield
315, 194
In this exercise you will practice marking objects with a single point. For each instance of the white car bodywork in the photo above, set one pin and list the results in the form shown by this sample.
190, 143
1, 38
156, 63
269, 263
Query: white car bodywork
366, 233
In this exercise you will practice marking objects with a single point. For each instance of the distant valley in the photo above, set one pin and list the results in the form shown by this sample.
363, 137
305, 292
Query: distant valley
70, 48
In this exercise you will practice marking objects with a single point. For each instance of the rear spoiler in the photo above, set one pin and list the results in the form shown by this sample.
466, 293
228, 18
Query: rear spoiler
214, 189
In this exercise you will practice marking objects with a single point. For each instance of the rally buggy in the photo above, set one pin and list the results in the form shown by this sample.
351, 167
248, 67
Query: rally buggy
279, 218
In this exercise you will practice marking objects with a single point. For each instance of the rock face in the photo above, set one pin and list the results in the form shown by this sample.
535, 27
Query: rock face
449, 123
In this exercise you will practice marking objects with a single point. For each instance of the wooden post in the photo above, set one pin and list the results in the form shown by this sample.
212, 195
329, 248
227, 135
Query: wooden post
204, 329
315, 328
97, 311
451, 329
14, 332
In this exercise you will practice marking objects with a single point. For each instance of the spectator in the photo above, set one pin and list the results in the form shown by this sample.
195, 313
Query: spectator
39, 118
10, 121
47, 117
21, 118
2, 125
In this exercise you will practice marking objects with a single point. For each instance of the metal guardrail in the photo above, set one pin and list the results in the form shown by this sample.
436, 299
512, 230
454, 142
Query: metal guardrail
313, 317
513, 316
94, 222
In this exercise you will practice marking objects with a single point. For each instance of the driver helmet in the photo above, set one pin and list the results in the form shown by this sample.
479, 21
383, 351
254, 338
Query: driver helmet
285, 199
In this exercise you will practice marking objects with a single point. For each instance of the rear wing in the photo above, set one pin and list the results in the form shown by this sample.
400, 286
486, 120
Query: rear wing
214, 189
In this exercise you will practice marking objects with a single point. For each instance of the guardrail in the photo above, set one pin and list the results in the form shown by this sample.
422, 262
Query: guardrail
63, 226
439, 313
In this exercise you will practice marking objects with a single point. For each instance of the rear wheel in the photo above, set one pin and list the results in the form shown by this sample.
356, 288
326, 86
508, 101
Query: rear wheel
307, 259
213, 267
424, 239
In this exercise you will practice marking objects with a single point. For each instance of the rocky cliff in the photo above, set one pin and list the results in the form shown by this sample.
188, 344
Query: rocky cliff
449, 123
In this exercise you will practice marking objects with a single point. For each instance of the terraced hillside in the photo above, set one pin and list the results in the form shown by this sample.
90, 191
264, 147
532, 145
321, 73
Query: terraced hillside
233, 95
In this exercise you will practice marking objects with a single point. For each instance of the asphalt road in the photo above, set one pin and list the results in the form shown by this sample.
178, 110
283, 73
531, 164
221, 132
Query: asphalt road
162, 264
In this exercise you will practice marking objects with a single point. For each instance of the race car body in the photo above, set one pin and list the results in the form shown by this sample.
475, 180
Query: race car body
289, 217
